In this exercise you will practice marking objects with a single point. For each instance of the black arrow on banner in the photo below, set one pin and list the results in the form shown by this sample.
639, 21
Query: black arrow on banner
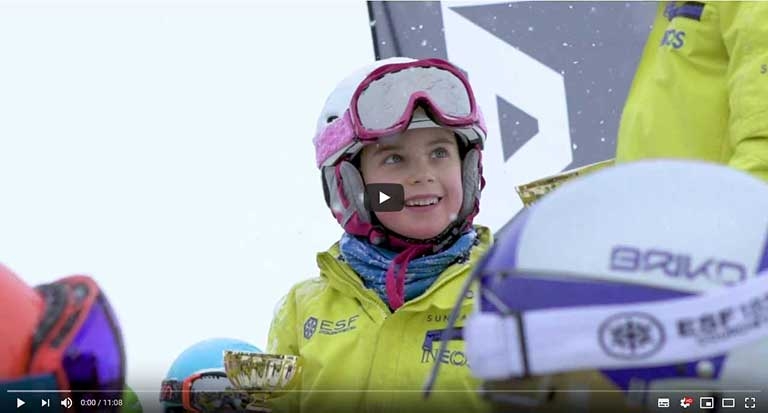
594, 45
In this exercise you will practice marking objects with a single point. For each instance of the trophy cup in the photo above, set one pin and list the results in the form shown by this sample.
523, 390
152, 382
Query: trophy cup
261, 376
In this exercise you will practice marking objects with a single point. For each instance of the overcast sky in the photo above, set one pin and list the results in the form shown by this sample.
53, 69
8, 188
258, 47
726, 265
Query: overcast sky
166, 151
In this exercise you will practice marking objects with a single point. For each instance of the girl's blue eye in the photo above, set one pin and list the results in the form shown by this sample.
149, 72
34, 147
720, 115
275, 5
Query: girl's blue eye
394, 158
440, 153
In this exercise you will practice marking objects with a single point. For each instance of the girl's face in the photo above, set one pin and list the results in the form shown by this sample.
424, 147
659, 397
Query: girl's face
426, 163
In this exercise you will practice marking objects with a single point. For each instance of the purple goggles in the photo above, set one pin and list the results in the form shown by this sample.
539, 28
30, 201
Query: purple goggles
79, 342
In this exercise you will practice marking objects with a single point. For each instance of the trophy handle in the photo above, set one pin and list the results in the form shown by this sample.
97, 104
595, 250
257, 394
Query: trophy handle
534, 190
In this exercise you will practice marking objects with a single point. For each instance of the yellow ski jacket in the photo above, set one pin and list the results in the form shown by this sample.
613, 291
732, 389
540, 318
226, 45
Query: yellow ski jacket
358, 356
701, 88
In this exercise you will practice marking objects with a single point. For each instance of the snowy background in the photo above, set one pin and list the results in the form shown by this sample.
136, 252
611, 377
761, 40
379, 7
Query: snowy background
164, 147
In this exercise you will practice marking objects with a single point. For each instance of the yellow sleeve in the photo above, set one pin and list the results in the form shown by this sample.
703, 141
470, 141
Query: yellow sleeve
283, 339
282, 331
745, 35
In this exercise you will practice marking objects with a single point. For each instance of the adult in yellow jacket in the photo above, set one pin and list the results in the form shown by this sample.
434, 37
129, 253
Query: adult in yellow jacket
701, 88
370, 326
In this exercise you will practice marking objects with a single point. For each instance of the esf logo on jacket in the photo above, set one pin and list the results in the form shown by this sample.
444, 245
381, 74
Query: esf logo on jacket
673, 38
329, 327
691, 10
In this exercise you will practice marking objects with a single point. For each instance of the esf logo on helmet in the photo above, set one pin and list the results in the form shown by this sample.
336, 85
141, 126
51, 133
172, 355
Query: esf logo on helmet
329, 327
671, 264
631, 336
727, 321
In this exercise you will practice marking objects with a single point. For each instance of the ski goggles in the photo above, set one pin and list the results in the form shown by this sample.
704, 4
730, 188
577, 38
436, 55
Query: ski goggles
77, 346
205, 391
384, 101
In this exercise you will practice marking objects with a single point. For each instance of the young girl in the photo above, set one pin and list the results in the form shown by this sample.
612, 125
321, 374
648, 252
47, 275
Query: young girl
369, 327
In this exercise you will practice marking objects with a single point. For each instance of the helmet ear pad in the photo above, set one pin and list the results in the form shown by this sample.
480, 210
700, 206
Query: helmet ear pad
344, 188
471, 183
354, 190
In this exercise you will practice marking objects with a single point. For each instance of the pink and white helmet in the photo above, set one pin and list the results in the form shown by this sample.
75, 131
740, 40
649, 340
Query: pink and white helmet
384, 99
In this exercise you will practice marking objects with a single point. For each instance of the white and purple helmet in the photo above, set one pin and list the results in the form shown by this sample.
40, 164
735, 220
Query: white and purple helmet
641, 280
410, 92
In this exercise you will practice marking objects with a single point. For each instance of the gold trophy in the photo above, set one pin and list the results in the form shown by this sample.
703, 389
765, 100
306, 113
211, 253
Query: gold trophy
532, 191
261, 376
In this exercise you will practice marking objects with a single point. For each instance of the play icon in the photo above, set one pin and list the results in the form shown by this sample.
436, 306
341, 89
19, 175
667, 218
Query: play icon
384, 197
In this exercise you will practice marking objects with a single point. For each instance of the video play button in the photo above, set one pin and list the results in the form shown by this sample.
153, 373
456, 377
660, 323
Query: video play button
19, 402
384, 197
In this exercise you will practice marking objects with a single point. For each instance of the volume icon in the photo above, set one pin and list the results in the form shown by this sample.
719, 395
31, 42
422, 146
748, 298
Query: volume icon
67, 402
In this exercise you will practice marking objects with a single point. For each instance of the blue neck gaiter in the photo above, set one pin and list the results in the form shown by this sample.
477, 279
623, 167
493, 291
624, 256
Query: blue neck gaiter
371, 262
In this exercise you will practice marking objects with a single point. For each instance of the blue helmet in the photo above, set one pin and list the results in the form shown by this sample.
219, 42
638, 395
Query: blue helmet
204, 355
645, 277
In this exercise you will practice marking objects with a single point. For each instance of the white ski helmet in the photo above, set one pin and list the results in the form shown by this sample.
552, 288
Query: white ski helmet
337, 144
644, 279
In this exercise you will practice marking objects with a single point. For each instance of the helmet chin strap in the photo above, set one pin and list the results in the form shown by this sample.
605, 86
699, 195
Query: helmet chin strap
410, 248
384, 237
395, 276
